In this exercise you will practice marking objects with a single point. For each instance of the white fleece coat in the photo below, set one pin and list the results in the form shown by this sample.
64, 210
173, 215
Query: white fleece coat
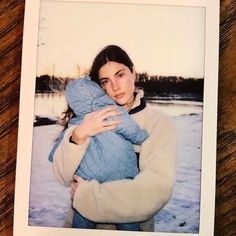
126, 200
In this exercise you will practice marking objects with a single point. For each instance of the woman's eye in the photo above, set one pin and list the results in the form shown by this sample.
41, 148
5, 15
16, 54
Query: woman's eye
103, 82
121, 75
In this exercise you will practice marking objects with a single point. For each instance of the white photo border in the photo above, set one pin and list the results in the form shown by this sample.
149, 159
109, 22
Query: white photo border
27, 93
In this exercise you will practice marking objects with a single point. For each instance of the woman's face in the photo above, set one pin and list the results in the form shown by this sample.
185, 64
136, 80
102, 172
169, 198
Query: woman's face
118, 82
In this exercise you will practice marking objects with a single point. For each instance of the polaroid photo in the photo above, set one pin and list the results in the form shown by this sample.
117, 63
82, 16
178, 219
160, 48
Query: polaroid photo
173, 45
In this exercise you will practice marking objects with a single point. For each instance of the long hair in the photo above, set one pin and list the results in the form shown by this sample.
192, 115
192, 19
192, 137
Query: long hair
109, 53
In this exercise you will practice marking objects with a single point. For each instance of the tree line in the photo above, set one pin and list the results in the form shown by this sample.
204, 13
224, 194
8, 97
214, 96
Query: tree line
170, 85
152, 85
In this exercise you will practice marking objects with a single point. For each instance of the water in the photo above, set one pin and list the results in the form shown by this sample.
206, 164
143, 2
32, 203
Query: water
50, 104
53, 104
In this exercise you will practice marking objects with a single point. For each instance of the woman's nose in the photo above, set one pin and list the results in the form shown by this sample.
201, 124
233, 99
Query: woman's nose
115, 85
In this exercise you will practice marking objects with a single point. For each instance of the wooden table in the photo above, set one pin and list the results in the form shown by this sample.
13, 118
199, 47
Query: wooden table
11, 27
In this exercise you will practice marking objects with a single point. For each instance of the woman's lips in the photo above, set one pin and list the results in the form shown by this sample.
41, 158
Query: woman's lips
120, 95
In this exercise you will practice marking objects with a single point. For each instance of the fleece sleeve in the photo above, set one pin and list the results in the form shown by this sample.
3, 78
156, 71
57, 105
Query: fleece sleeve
67, 158
140, 198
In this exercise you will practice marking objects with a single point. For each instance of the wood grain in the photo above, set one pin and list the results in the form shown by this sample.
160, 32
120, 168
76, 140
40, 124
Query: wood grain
225, 214
11, 27
11, 31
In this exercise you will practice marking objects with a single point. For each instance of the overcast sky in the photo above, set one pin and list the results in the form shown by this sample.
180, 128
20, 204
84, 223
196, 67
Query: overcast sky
161, 40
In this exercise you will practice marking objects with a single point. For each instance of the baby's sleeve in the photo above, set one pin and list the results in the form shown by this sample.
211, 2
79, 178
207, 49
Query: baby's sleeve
66, 156
55, 146
129, 129
73, 121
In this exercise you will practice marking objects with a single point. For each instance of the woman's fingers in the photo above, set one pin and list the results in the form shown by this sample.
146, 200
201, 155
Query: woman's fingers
108, 123
102, 114
96, 122
73, 188
89, 115
105, 110
74, 185
78, 179
107, 128
110, 114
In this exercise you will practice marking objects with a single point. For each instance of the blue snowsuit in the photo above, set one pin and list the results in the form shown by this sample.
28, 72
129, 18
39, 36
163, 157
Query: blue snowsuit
110, 154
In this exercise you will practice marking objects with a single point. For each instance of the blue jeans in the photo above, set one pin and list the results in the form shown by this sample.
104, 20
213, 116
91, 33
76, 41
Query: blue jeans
82, 223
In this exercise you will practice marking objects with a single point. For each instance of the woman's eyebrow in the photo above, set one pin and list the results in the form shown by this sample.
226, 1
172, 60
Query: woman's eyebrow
114, 75
118, 72
104, 78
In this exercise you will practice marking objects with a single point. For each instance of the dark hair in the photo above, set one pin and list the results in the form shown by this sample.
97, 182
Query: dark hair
109, 53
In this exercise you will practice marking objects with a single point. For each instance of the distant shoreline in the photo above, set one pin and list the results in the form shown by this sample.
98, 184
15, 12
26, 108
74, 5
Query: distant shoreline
152, 96
174, 98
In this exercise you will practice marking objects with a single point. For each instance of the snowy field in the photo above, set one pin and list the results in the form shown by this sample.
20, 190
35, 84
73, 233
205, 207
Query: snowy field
49, 200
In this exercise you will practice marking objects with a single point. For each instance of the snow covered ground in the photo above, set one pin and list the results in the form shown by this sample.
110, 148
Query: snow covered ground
181, 214
49, 200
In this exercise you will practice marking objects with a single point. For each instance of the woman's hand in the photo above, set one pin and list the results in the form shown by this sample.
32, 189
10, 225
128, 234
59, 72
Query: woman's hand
73, 187
95, 123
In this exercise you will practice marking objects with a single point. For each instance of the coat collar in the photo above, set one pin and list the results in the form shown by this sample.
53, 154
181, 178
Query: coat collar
139, 102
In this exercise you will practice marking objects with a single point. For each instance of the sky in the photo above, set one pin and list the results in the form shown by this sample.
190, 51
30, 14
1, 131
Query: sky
160, 39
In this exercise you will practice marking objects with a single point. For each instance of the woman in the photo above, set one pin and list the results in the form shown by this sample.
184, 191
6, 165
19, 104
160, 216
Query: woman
120, 201
110, 155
